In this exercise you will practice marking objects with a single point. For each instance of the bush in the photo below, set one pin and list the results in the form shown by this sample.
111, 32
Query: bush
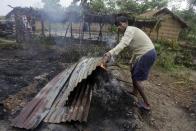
184, 57
166, 60
171, 56
188, 35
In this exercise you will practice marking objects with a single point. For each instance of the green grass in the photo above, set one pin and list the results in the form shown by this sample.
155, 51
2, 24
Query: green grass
2, 17
8, 44
2, 40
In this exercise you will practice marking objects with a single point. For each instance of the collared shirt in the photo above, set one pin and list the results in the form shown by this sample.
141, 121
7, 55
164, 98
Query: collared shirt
137, 41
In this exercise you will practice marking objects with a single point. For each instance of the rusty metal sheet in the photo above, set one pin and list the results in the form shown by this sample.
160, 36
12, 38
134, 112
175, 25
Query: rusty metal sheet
80, 107
78, 110
52, 103
34, 112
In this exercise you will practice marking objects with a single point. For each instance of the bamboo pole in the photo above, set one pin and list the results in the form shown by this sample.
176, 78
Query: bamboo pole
67, 30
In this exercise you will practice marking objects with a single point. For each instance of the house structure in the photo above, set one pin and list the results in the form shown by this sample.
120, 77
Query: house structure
167, 27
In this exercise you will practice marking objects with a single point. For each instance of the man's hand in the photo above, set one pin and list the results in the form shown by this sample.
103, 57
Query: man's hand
106, 58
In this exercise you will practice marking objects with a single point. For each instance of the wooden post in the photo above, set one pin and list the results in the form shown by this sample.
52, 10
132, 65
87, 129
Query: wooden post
67, 30
33, 26
42, 24
157, 27
89, 30
71, 31
83, 30
80, 34
100, 31
49, 29
19, 29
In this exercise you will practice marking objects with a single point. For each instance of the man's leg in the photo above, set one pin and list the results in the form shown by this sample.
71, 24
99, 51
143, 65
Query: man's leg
138, 87
140, 73
135, 91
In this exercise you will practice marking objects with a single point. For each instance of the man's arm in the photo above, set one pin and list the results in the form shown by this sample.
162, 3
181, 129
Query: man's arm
124, 42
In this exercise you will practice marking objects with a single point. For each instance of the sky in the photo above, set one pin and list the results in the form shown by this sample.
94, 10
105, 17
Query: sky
181, 4
4, 9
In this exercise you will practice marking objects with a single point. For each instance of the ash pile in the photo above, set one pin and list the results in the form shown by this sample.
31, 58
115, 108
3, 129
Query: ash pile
84, 96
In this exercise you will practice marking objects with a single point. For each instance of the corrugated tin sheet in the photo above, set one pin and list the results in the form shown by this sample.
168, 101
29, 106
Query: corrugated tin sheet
75, 109
52, 103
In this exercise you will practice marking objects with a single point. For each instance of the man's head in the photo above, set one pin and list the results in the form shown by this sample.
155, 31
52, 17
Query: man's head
121, 23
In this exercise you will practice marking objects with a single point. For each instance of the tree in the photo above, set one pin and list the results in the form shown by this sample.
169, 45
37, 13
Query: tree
192, 4
140, 6
189, 15
51, 5
130, 6
127, 6
53, 10
111, 6
98, 6
152, 5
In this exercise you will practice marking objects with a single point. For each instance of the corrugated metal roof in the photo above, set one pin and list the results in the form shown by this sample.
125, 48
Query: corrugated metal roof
52, 103
81, 98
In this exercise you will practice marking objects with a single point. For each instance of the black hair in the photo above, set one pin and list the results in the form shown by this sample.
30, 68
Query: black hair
120, 19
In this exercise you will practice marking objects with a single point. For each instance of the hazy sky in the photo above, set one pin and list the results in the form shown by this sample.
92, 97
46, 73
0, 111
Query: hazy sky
182, 4
4, 9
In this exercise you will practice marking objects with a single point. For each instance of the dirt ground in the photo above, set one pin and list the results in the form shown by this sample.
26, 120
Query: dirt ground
173, 103
172, 99
24, 71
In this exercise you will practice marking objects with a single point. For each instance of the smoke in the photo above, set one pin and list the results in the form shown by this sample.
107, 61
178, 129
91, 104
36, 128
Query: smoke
73, 13
110, 40
52, 10
58, 19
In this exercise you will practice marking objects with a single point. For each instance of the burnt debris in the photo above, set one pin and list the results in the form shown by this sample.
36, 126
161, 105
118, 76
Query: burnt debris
65, 98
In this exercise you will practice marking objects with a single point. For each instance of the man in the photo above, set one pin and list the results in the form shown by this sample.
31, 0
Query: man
143, 56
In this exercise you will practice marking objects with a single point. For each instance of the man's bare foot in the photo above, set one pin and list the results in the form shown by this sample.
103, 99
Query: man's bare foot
144, 106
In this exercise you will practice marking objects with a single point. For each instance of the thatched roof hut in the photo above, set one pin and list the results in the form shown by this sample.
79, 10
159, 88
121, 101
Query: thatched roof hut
20, 11
168, 25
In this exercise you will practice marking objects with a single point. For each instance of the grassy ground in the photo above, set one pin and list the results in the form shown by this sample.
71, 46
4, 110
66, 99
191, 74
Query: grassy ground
8, 44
